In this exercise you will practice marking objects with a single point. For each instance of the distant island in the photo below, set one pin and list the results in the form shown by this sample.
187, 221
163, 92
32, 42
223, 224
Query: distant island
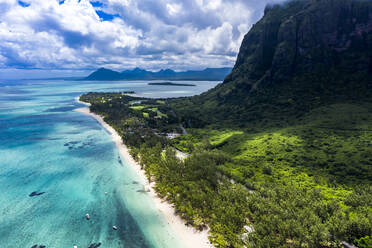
209, 74
171, 84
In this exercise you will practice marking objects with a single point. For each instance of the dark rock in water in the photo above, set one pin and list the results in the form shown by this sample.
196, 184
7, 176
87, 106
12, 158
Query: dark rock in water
34, 246
119, 160
95, 245
73, 144
35, 193
135, 182
42, 246
38, 246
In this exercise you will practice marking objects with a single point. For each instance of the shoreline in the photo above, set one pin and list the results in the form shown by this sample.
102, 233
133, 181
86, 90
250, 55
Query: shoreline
191, 237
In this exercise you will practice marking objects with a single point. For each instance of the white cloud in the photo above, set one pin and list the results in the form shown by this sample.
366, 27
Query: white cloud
213, 4
173, 9
146, 33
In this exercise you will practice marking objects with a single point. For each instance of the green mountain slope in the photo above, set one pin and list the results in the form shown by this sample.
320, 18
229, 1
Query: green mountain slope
300, 55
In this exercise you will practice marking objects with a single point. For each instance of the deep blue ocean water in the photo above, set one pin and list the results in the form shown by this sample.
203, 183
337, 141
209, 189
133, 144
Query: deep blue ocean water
74, 168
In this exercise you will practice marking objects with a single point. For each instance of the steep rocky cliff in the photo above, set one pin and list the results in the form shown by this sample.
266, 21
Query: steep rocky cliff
305, 36
300, 55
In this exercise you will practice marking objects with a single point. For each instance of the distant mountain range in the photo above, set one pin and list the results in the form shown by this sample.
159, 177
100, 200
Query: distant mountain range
212, 74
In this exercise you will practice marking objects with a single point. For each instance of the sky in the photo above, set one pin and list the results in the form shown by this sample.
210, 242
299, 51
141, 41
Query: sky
51, 37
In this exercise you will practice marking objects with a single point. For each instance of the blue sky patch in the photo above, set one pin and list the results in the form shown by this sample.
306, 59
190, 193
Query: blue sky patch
106, 16
96, 3
23, 4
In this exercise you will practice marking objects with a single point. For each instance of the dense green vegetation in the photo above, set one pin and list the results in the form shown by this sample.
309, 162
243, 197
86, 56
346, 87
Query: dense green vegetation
331, 143
306, 185
281, 152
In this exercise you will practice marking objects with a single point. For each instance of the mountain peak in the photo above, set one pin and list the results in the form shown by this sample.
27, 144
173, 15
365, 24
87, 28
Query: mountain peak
294, 38
137, 69
104, 74
295, 59
103, 69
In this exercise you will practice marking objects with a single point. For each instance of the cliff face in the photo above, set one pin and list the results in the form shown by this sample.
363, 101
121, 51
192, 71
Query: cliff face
305, 36
301, 55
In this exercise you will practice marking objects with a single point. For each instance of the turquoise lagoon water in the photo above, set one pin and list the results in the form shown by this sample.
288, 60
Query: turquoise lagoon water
74, 168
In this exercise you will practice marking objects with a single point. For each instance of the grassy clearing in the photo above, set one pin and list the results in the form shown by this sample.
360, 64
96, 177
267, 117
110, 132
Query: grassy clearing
221, 137
145, 109
137, 107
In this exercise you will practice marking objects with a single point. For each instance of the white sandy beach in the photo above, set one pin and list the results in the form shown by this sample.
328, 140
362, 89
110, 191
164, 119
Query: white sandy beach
191, 237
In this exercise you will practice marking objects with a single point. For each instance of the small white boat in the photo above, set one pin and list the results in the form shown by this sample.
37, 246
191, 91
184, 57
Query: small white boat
115, 227
87, 216
75, 246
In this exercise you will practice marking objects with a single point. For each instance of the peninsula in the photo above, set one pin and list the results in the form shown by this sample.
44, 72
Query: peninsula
186, 124
280, 153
